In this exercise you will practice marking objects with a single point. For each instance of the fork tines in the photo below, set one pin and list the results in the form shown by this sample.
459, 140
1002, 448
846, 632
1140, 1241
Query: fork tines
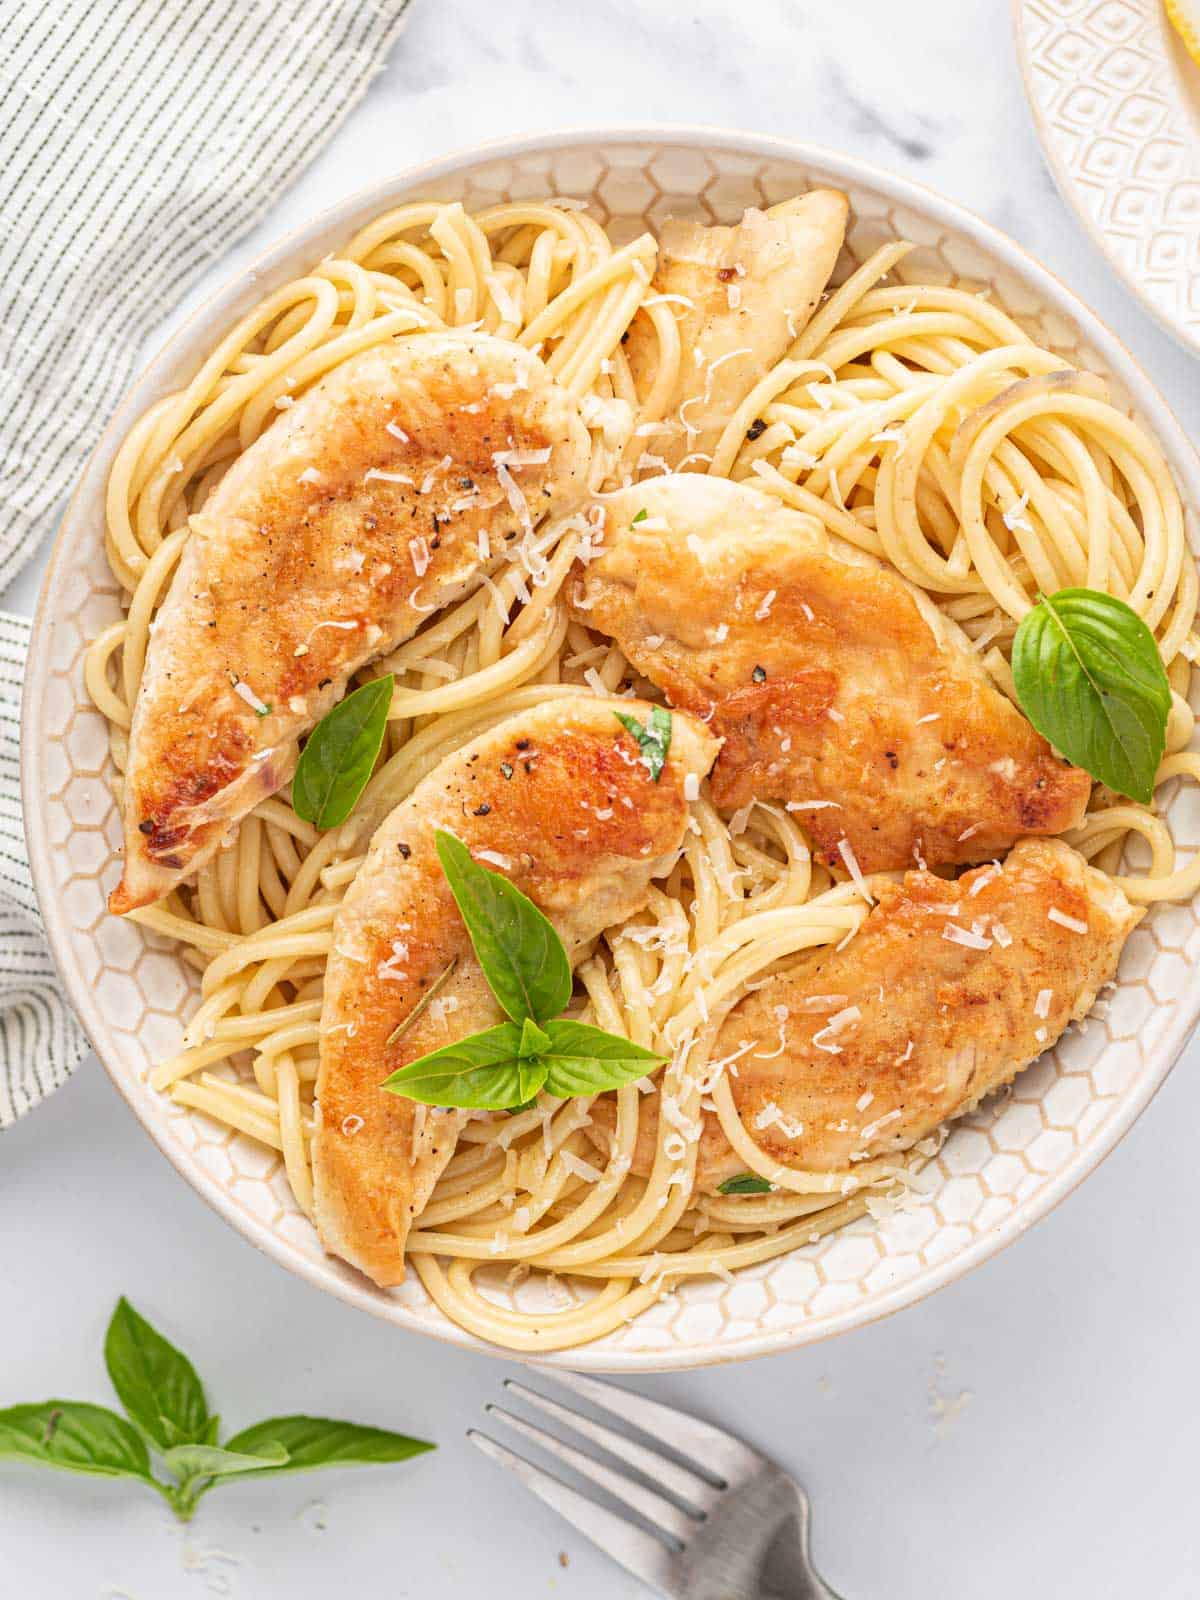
650, 1546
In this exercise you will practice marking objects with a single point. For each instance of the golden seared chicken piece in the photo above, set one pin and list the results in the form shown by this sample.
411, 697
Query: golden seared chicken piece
373, 501
743, 296
560, 801
946, 992
837, 686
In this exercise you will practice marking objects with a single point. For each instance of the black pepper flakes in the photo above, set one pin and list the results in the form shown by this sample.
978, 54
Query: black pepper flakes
756, 429
405, 850
759, 675
523, 744
506, 769
146, 827
481, 811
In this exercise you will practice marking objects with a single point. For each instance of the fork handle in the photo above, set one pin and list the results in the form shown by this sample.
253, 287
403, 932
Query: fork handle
814, 1589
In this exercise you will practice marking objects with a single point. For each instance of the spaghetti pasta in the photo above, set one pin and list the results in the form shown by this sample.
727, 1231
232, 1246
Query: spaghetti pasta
917, 421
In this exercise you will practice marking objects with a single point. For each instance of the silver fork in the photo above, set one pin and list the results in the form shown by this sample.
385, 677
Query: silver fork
729, 1525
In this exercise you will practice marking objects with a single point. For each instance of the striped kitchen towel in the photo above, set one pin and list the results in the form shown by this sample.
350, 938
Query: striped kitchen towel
139, 140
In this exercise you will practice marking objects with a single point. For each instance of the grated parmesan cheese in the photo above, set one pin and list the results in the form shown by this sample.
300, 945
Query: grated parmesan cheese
420, 556
836, 1023
244, 692
521, 458
1015, 518
388, 971
873, 1129
846, 851
1064, 921
495, 858
514, 496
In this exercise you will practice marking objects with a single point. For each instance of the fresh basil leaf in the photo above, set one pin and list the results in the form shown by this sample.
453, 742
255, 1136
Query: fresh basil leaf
522, 957
654, 740
745, 1183
531, 1075
156, 1383
340, 754
586, 1060
74, 1437
210, 1461
533, 1039
641, 517
1090, 678
481, 1072
321, 1442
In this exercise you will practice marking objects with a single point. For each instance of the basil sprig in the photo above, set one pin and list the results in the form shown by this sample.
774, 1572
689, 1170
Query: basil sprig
527, 970
1090, 678
167, 1413
340, 755
654, 739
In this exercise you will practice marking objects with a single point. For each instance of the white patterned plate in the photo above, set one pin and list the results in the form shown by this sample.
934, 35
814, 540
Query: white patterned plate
999, 1171
1116, 102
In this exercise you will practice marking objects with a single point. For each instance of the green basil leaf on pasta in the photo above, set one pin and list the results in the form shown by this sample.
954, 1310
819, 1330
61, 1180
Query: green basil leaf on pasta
156, 1383
522, 957
340, 755
1089, 677
480, 1073
312, 1442
531, 1078
653, 738
213, 1461
582, 1060
74, 1437
745, 1183
533, 1039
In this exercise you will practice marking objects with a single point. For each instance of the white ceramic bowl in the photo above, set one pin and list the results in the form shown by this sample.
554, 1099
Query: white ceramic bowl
999, 1171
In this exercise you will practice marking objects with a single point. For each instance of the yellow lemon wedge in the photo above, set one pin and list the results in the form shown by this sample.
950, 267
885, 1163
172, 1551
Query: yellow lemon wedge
1185, 19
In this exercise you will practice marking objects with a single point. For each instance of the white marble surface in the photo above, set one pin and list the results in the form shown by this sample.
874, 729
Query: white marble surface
1027, 1431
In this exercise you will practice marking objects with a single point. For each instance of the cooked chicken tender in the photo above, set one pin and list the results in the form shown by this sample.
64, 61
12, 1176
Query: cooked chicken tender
946, 992
837, 686
377, 498
743, 295
560, 801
